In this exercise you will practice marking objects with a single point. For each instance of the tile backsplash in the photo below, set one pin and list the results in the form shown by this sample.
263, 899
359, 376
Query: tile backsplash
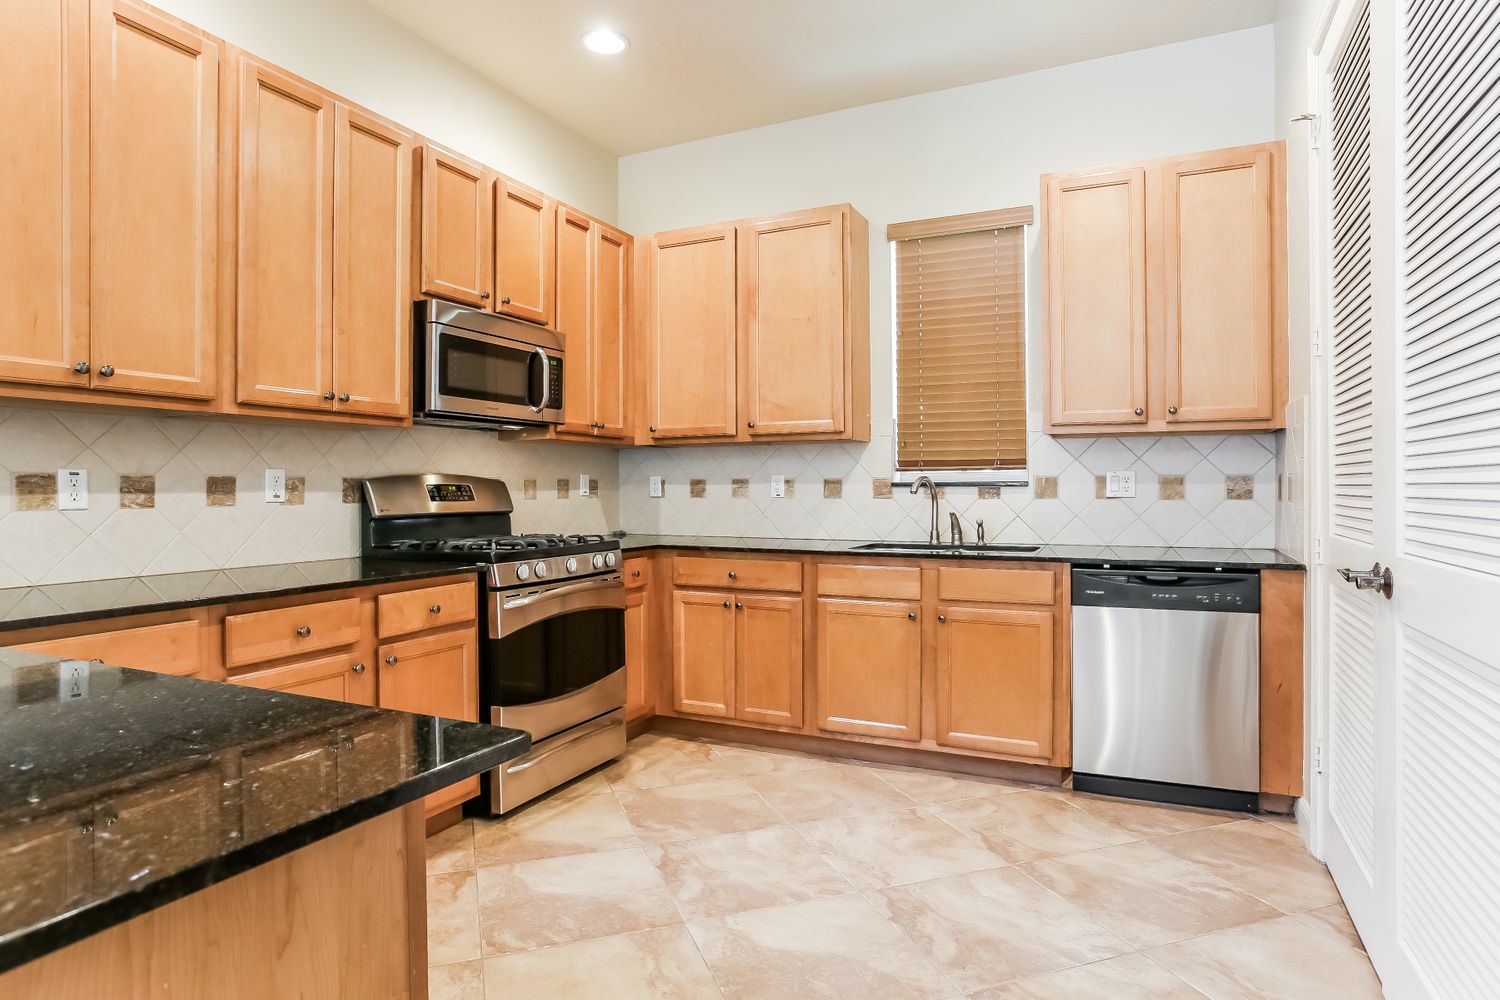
1207, 490
174, 493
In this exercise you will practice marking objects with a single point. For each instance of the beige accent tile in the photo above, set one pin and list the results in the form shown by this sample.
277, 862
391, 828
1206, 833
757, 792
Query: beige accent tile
137, 492
563, 486
1024, 826
925, 786
739, 489
554, 828
296, 491
840, 947
1129, 977
349, 490
701, 809
528, 489
989, 493
651, 762
452, 918
827, 793
1145, 895
660, 964
891, 848
36, 491
880, 489
833, 489
534, 904
988, 927
1335, 918
219, 491
451, 850
1261, 860
460, 981
744, 871
791, 486
1171, 488
1239, 487
697, 488
1044, 487
1285, 958
1148, 819
1100, 488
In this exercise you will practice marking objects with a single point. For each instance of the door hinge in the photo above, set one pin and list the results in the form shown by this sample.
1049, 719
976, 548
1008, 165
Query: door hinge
1317, 758
1318, 549
1317, 343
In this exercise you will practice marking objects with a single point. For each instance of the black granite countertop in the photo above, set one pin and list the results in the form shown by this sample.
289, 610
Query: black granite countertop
122, 790
1078, 555
61, 603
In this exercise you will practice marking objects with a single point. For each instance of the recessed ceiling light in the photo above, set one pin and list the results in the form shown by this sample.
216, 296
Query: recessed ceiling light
605, 42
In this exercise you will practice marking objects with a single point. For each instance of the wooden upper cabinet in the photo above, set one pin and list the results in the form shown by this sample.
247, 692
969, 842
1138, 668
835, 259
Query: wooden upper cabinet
693, 333
44, 236
525, 252
795, 348
869, 667
610, 289
154, 194
458, 261
284, 312
995, 680
703, 653
574, 238
372, 312
768, 659
1219, 279
1096, 298
1166, 294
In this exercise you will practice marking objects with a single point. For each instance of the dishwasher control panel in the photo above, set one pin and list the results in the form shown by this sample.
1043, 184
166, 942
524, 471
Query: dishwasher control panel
1167, 589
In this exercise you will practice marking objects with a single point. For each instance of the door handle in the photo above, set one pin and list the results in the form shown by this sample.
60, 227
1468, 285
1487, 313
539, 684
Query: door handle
1375, 578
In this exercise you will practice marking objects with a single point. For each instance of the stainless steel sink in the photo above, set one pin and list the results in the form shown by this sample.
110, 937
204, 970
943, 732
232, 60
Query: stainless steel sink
929, 547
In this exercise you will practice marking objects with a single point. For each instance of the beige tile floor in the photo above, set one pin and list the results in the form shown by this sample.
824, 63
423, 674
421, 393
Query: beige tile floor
691, 869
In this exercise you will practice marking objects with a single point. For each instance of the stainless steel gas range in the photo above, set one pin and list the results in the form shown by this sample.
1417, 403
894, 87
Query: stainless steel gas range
552, 660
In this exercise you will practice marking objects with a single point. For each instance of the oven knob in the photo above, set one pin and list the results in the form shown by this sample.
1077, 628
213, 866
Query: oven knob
523, 571
609, 559
598, 560
571, 565
541, 570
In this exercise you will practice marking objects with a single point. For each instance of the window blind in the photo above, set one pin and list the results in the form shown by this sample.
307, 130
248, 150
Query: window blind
961, 342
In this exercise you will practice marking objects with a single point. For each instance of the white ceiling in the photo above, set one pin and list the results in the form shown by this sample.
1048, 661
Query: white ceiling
697, 68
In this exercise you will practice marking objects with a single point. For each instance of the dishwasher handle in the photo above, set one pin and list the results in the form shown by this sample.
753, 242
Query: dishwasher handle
1168, 590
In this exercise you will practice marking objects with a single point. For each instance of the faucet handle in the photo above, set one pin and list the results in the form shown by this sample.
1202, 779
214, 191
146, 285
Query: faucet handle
979, 531
955, 529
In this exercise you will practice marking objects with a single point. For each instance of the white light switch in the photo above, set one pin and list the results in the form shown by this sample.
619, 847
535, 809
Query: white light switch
656, 487
1119, 484
778, 487
72, 489
275, 486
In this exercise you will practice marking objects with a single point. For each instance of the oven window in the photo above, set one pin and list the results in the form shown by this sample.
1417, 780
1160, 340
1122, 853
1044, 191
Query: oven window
557, 656
472, 369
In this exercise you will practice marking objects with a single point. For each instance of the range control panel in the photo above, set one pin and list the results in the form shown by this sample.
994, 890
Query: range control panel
1167, 590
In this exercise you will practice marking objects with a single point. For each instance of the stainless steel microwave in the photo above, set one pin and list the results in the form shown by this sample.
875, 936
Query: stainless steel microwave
477, 369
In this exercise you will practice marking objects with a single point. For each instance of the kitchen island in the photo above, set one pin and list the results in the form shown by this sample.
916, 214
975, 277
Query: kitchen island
165, 836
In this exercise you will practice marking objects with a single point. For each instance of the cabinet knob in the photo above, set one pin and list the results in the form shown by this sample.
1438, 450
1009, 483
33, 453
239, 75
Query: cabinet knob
391, 660
738, 606
505, 301
111, 819
911, 616
726, 604
750, 423
436, 609
328, 395
1171, 409
81, 368
359, 668
86, 827
1140, 412
731, 574
942, 618
343, 397
108, 371
304, 631
653, 428
635, 572
484, 296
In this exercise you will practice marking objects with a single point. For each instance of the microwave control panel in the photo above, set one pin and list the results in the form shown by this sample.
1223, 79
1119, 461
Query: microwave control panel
554, 383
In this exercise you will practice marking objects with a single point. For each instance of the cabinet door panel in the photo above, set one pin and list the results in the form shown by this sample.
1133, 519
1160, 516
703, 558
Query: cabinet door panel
525, 252
168, 648
53, 858
1096, 298
574, 235
794, 356
371, 255
609, 326
435, 674
131, 829
284, 313
638, 700
768, 660
153, 204
693, 333
703, 653
1217, 282
870, 668
458, 261
331, 677
44, 236
995, 680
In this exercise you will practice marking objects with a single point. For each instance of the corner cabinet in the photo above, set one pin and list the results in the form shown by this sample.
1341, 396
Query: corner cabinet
759, 330
1166, 294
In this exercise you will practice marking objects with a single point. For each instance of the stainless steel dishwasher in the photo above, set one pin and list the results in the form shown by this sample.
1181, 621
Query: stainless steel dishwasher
1166, 685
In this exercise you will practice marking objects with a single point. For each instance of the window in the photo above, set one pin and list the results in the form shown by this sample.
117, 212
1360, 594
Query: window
960, 289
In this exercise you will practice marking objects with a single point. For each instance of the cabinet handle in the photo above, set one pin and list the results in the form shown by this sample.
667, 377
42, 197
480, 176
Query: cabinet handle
111, 819
1171, 409
635, 572
484, 296
390, 661
911, 616
1140, 412
505, 301
108, 371
328, 395
86, 827
750, 423
738, 606
942, 618
731, 574
343, 397
359, 668
726, 605
653, 428
436, 609
304, 631
81, 368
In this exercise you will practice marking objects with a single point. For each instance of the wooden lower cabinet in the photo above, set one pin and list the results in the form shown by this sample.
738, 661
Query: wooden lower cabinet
996, 679
638, 699
435, 674
870, 667
341, 677
54, 857
703, 653
768, 659
167, 648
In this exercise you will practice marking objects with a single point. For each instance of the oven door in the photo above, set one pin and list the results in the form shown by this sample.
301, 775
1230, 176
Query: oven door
478, 375
556, 656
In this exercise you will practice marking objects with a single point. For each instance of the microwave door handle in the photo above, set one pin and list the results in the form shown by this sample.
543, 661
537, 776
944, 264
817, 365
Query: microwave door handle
537, 355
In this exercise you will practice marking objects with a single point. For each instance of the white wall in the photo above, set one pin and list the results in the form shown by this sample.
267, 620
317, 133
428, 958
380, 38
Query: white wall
359, 53
963, 150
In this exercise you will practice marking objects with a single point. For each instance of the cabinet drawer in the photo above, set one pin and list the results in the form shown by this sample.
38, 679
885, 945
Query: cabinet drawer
997, 586
430, 607
271, 635
172, 648
637, 573
742, 574
895, 583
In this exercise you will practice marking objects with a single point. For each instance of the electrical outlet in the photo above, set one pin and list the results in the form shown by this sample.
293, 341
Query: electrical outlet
1119, 484
778, 487
72, 489
584, 484
656, 487
72, 680
275, 486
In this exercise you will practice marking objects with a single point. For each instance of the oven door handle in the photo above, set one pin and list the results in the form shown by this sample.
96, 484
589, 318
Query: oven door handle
540, 397
585, 595
596, 727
